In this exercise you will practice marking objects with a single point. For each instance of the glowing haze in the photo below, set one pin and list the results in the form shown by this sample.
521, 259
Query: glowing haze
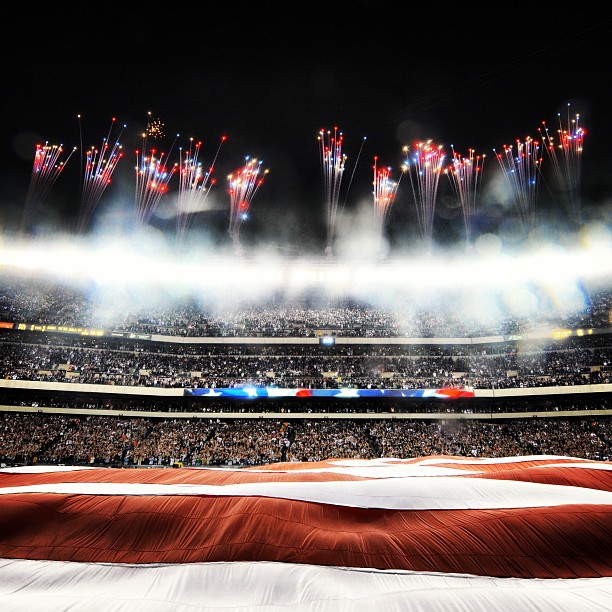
486, 284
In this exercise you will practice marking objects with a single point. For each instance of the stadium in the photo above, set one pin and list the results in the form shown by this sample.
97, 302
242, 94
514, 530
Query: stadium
202, 423
314, 426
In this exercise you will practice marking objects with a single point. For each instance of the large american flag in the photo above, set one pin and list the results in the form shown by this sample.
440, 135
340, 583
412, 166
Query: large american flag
434, 533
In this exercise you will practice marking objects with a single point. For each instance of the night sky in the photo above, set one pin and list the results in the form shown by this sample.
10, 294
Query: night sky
269, 79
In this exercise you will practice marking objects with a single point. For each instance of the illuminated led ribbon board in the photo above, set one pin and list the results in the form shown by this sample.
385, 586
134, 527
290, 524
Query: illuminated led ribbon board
274, 392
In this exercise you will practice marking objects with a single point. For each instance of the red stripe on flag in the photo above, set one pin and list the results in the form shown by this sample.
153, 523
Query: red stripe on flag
553, 542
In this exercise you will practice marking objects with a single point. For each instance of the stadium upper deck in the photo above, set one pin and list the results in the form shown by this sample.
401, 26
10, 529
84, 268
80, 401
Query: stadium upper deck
73, 338
41, 303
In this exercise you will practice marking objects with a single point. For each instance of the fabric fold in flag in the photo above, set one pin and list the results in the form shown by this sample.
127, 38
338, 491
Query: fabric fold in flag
532, 520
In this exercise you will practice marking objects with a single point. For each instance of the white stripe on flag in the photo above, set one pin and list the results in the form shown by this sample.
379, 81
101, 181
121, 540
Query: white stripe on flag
52, 586
425, 493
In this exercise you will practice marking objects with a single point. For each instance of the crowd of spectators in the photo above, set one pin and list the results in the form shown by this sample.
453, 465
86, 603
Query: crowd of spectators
511, 364
120, 441
131, 352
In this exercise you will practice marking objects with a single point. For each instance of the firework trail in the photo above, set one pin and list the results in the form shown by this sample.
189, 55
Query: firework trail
424, 167
353, 173
465, 175
100, 164
49, 162
333, 163
195, 183
152, 178
152, 175
244, 183
565, 154
520, 167
384, 193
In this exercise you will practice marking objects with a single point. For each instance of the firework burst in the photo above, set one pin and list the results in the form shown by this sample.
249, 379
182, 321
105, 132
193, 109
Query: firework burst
465, 175
100, 164
49, 162
384, 193
195, 184
244, 183
155, 128
520, 166
424, 166
333, 163
565, 154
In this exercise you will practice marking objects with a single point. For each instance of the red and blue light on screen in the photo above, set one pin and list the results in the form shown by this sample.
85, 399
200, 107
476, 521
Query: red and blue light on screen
248, 392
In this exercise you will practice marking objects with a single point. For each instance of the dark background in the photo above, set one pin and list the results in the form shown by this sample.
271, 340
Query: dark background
269, 76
